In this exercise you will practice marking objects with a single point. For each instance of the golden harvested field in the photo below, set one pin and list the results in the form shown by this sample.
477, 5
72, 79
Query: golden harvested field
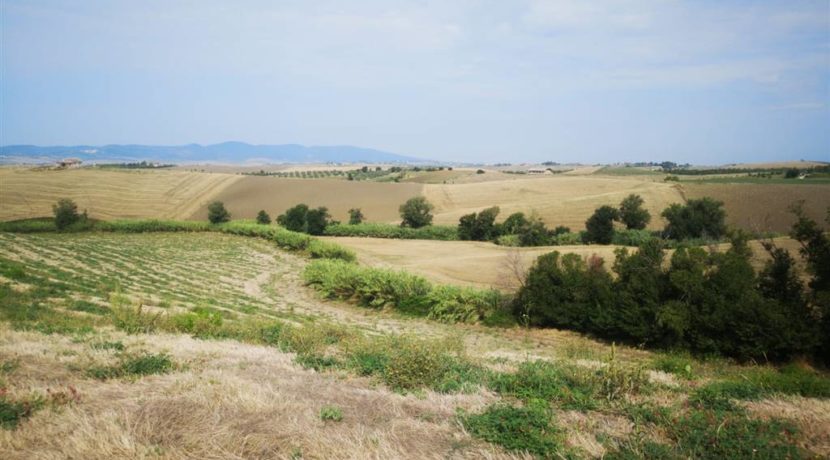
108, 194
558, 200
481, 264
763, 207
379, 201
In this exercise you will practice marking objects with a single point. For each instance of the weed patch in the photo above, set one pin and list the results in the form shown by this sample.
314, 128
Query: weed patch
530, 428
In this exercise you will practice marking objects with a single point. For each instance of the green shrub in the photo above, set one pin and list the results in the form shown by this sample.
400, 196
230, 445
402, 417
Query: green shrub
599, 228
134, 365
12, 412
542, 380
706, 434
530, 428
376, 288
199, 324
697, 218
630, 237
319, 249
416, 212
66, 213
413, 364
331, 413
217, 213
150, 226
36, 225
680, 366
632, 213
134, 320
263, 218
380, 230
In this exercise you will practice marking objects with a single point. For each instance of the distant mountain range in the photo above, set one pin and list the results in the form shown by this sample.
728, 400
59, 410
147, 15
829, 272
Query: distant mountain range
226, 152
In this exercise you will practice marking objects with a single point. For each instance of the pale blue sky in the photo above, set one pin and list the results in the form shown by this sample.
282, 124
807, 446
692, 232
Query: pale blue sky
592, 81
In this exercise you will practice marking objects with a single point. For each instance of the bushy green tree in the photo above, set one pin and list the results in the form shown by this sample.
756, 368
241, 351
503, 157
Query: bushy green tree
217, 213
639, 292
317, 220
698, 218
480, 226
599, 228
294, 218
416, 212
513, 223
815, 249
66, 213
355, 216
632, 213
263, 218
534, 233
564, 291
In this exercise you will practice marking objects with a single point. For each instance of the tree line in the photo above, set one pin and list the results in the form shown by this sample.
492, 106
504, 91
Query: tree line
708, 302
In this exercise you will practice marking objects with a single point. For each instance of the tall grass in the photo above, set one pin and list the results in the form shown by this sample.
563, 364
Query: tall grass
380, 230
377, 288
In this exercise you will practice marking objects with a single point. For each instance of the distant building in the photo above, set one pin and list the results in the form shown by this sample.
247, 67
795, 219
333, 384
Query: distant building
69, 163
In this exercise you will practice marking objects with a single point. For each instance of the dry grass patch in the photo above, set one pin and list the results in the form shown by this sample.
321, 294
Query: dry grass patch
230, 401
810, 415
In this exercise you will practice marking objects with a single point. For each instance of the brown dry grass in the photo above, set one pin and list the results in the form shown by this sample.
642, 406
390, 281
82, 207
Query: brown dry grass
558, 200
810, 415
108, 194
763, 207
379, 201
486, 264
229, 400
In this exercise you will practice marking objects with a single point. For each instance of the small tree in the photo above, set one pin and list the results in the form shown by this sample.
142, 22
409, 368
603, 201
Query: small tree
294, 218
66, 213
317, 220
263, 218
632, 213
416, 212
599, 228
217, 213
355, 216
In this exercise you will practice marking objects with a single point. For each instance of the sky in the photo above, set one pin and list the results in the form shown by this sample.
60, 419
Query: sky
704, 82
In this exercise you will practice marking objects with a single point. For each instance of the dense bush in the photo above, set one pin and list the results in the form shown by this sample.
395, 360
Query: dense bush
377, 288
294, 218
479, 226
599, 228
66, 213
698, 218
380, 230
707, 302
355, 216
263, 218
217, 213
317, 220
632, 213
416, 212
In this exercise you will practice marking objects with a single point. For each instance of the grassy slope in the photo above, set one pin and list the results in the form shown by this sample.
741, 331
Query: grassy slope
219, 392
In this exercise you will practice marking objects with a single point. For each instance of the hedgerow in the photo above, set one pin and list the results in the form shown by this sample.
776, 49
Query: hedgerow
380, 230
377, 288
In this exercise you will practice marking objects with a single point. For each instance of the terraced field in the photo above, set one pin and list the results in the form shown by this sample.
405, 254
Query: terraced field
108, 194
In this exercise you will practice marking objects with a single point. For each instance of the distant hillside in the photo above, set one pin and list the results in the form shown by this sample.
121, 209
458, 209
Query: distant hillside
227, 152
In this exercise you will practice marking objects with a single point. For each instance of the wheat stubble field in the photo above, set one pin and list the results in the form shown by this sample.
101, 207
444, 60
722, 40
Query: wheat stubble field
108, 194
